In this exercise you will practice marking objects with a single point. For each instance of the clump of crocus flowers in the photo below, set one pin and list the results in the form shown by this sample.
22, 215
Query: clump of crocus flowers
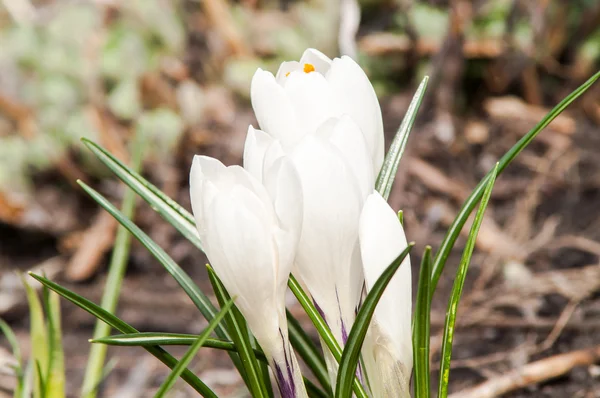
305, 203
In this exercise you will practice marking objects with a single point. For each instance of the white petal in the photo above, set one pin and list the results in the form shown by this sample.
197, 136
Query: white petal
356, 97
388, 376
283, 184
274, 152
257, 144
285, 69
242, 178
312, 100
320, 61
347, 136
203, 168
209, 193
242, 255
356, 276
206, 167
332, 206
382, 239
272, 107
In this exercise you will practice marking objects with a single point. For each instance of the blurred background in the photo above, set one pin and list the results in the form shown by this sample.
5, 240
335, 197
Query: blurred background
178, 73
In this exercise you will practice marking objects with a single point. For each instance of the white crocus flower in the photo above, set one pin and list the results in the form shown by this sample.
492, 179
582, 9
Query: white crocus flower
335, 171
305, 94
250, 232
387, 351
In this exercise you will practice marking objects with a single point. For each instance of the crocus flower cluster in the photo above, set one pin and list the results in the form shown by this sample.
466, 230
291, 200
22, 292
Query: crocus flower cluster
304, 202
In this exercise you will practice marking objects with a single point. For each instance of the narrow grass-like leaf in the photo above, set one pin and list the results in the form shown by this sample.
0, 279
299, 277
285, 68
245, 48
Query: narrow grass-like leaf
39, 340
307, 350
240, 337
40, 381
322, 328
27, 391
191, 289
467, 208
264, 369
124, 327
387, 174
10, 336
189, 355
169, 209
175, 215
152, 338
181, 220
421, 325
55, 383
116, 271
351, 354
16, 352
144, 339
457, 288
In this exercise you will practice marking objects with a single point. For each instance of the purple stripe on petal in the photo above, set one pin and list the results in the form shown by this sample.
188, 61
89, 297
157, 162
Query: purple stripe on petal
344, 333
288, 364
285, 378
359, 373
345, 336
286, 386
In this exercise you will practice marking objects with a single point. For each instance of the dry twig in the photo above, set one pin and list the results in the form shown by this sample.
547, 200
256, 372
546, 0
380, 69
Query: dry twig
532, 373
97, 239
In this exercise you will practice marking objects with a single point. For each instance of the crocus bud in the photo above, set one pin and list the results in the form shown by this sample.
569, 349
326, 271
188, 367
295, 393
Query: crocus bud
325, 116
250, 233
303, 95
333, 164
387, 350
336, 176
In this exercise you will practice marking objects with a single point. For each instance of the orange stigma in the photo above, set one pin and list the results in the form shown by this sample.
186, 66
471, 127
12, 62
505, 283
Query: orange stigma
309, 68
287, 74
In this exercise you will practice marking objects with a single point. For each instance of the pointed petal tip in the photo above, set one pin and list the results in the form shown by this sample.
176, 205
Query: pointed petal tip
314, 53
375, 199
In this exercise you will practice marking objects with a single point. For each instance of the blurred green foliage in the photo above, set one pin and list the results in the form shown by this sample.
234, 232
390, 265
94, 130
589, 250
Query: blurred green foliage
76, 57
71, 58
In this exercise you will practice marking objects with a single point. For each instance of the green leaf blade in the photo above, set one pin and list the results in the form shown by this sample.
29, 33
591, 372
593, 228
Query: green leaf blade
457, 288
183, 279
55, 383
124, 327
39, 340
307, 350
169, 209
322, 328
189, 355
421, 328
238, 330
94, 371
173, 213
145, 339
10, 336
388, 171
469, 205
